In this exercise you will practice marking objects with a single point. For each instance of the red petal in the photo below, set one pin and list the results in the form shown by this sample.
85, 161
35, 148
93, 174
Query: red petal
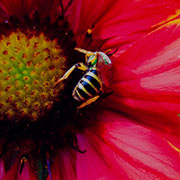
64, 166
12, 173
2, 169
126, 148
3, 13
85, 13
17, 7
21, 8
127, 22
120, 23
147, 80
26, 174
47, 7
94, 164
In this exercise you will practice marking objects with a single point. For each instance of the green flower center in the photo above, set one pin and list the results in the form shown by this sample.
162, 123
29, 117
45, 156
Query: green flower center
29, 67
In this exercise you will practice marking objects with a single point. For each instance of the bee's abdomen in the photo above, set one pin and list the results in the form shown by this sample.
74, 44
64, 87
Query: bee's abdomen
88, 86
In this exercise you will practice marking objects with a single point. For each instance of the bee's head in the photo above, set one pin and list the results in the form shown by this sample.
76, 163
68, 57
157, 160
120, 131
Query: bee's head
91, 59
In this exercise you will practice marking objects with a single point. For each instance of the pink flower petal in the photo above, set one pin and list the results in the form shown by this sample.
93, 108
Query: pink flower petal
21, 8
26, 173
93, 164
64, 166
17, 7
50, 8
124, 25
12, 173
118, 23
2, 170
84, 13
126, 149
146, 81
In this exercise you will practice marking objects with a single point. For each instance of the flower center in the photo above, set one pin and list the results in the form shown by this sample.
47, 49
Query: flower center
37, 118
29, 67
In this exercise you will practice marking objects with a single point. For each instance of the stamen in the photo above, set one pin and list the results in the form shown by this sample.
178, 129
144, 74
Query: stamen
62, 8
88, 33
69, 4
24, 158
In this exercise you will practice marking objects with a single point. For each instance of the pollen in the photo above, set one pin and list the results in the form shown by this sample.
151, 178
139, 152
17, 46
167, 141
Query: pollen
29, 67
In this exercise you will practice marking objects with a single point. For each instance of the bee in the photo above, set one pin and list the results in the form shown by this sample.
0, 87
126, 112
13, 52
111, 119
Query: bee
97, 77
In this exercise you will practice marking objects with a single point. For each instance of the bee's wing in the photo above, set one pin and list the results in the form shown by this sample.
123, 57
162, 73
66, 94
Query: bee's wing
104, 69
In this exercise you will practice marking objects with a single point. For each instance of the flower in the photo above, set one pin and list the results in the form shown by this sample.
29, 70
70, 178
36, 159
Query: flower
45, 136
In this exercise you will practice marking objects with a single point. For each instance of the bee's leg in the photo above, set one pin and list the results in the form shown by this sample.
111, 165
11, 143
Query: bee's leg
66, 75
104, 95
88, 102
79, 66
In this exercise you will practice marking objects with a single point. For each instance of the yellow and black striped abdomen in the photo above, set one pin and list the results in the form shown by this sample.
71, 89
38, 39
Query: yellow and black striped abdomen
88, 86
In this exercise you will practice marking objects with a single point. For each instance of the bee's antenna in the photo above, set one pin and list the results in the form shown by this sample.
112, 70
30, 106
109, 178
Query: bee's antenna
109, 50
82, 50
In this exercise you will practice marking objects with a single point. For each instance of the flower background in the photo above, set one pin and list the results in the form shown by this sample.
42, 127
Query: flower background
134, 133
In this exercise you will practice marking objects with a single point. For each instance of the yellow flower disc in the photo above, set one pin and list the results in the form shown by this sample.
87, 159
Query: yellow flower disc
29, 67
